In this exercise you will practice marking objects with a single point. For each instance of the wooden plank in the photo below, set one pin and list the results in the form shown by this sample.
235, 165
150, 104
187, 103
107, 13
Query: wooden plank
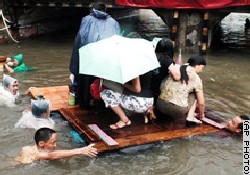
78, 125
107, 139
136, 134
58, 96
136, 140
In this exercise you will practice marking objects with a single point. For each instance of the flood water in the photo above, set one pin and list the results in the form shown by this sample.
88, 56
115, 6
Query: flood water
227, 93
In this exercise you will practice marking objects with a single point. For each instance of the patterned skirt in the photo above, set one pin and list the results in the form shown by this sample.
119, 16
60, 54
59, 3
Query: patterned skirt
128, 102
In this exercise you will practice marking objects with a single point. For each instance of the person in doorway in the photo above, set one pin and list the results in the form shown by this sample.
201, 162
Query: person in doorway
179, 99
45, 149
96, 26
16, 64
247, 24
38, 117
9, 91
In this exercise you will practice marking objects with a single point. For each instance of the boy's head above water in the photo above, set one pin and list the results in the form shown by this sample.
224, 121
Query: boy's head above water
46, 138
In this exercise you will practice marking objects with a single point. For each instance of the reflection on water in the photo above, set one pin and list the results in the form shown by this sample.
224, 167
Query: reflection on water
226, 85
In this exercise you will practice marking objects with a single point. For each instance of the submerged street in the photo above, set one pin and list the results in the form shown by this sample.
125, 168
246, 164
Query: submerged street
226, 86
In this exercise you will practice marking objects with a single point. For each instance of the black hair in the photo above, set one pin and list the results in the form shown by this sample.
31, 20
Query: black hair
184, 75
197, 60
243, 117
100, 6
43, 134
193, 61
165, 46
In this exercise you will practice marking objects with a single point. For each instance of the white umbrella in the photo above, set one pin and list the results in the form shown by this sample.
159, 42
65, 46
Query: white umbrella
117, 58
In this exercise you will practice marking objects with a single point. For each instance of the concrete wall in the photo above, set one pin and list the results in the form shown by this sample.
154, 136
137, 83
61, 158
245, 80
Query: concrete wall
188, 26
192, 31
39, 20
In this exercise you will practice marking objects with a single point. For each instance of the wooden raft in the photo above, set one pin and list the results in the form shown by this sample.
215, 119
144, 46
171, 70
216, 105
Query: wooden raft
58, 96
136, 134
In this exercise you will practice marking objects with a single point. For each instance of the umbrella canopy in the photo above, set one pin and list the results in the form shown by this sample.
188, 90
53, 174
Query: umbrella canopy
117, 58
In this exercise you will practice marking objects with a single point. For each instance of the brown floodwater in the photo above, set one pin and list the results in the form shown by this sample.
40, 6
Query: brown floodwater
227, 92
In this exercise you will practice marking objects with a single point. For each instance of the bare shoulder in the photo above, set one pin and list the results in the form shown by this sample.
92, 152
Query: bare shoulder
28, 154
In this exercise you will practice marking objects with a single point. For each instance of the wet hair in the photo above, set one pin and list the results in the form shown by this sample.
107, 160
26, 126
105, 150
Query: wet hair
100, 6
165, 46
184, 75
243, 117
193, 61
43, 134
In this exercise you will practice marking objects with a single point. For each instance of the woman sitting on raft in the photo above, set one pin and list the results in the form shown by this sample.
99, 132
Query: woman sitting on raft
179, 98
137, 97
17, 65
9, 91
38, 117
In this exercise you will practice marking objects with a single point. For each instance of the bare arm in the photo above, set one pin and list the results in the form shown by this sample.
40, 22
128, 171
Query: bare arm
135, 87
89, 151
8, 68
174, 70
201, 103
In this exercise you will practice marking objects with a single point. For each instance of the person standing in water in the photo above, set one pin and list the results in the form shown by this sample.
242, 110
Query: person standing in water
234, 125
38, 117
96, 26
16, 64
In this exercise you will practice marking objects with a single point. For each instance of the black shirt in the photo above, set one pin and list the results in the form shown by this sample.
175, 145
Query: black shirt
146, 86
